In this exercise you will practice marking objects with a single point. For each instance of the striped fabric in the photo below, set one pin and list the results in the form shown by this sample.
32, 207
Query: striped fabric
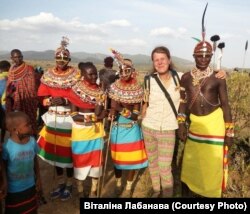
87, 145
21, 92
127, 146
22, 202
55, 140
160, 149
202, 168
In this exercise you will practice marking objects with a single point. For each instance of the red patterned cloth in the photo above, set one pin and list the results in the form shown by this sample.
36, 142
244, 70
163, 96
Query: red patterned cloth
21, 92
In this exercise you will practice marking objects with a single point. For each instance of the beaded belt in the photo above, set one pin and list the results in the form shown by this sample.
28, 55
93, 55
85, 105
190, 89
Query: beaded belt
91, 123
125, 125
59, 113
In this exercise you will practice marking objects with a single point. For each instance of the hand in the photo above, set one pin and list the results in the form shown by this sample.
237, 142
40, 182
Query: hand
103, 114
78, 118
221, 74
111, 115
58, 101
118, 107
38, 185
98, 109
228, 141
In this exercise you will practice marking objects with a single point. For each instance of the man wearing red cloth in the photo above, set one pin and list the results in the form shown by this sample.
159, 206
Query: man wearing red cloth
21, 88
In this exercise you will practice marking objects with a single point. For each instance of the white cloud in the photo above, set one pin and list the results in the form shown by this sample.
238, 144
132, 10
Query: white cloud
128, 42
168, 32
118, 23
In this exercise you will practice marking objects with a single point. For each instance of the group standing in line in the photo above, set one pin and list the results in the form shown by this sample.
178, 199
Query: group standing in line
73, 133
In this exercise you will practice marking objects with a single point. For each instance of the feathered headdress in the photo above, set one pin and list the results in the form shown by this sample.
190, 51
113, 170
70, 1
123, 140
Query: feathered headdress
214, 39
220, 46
203, 29
62, 51
203, 46
119, 59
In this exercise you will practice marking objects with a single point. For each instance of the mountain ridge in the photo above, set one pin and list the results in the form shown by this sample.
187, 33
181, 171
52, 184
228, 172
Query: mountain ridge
48, 55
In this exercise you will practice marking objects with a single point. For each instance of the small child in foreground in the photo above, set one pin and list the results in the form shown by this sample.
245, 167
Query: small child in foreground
21, 164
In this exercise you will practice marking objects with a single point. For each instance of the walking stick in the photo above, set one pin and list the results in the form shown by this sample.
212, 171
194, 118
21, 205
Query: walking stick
54, 165
107, 152
102, 146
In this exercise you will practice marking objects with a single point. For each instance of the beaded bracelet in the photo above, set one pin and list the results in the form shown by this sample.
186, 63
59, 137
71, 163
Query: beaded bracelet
74, 114
229, 125
90, 118
136, 112
181, 118
125, 113
229, 129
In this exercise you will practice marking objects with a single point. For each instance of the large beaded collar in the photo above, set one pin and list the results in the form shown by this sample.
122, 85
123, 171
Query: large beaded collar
63, 80
131, 92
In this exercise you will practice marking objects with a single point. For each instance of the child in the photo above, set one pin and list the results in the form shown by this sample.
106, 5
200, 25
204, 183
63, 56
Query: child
21, 164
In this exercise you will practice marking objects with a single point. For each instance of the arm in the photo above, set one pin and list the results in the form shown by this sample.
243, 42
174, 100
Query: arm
37, 175
144, 109
115, 108
182, 111
226, 113
135, 112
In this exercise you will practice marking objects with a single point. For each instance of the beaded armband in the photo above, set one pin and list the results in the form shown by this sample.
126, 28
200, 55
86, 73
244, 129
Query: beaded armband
125, 113
136, 112
90, 118
181, 118
73, 113
229, 129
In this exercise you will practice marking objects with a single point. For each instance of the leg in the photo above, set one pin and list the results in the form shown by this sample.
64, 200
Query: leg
118, 179
165, 150
185, 191
58, 191
151, 145
67, 193
127, 193
93, 191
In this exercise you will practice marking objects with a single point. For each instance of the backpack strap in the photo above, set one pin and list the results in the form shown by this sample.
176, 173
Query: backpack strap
146, 88
167, 95
176, 77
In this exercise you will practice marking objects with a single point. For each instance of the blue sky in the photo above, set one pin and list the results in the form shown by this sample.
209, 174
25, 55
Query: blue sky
129, 26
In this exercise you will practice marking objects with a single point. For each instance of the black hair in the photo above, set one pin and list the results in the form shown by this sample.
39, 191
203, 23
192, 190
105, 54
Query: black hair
108, 61
4, 65
13, 119
15, 51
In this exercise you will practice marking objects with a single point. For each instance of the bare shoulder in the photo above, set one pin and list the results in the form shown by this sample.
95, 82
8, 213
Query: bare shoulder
186, 76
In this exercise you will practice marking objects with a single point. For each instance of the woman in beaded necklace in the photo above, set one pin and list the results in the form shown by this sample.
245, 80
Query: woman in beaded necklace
127, 145
87, 99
